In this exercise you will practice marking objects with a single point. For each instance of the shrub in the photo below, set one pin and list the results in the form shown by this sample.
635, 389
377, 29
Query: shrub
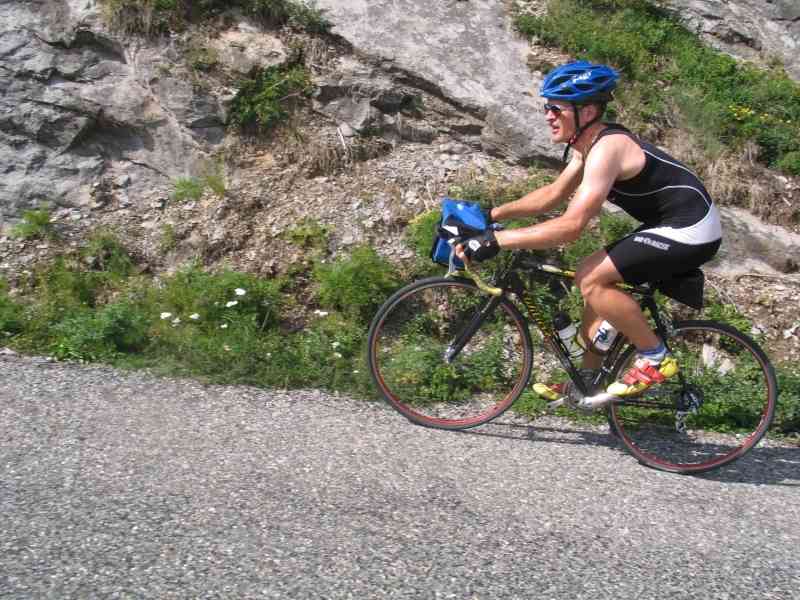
420, 232
790, 163
356, 285
187, 188
10, 311
216, 182
150, 17
716, 310
202, 58
104, 252
263, 102
787, 415
35, 224
65, 285
147, 17
101, 334
330, 353
218, 298
169, 239
310, 234
295, 13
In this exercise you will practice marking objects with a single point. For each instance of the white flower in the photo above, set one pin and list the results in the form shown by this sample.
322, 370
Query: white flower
231, 303
176, 320
355, 372
335, 344
166, 315
194, 316
269, 354
321, 313
240, 292
227, 348
223, 326
337, 355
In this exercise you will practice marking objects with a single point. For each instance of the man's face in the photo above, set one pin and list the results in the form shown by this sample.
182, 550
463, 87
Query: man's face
560, 117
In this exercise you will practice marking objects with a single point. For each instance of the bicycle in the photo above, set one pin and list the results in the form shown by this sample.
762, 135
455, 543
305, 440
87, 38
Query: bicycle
453, 353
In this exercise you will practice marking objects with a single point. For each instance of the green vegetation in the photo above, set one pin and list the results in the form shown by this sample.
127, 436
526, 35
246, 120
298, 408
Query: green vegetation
668, 70
35, 225
10, 312
264, 101
356, 286
787, 417
104, 253
309, 234
421, 231
716, 309
150, 17
192, 188
169, 239
187, 188
202, 58
232, 327
226, 326
608, 228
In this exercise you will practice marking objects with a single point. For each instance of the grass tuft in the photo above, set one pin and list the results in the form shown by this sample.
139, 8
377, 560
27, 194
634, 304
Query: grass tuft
35, 224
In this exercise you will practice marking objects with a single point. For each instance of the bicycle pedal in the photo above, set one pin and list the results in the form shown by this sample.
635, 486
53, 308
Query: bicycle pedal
601, 400
557, 403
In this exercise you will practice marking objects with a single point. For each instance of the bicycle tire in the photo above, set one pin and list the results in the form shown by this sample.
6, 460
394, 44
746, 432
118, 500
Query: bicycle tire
412, 331
727, 387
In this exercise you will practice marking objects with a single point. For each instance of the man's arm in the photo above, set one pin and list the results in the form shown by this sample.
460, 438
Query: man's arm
544, 198
601, 170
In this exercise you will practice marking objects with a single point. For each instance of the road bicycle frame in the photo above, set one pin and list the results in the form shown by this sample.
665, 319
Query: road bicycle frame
510, 281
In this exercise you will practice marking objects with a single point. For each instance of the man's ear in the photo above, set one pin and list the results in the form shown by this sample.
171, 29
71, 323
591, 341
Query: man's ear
589, 113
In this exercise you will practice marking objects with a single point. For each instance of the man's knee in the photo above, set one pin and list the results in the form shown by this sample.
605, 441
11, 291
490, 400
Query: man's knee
596, 273
586, 279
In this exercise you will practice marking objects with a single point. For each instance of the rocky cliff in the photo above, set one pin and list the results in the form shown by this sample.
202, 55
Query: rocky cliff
764, 30
100, 124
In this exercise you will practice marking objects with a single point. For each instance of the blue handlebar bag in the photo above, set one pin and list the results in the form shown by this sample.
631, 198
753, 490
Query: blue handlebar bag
460, 220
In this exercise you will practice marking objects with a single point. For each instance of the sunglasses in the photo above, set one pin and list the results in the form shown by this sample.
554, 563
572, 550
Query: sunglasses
554, 108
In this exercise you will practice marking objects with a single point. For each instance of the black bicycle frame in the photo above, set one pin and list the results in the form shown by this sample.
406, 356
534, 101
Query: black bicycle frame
511, 281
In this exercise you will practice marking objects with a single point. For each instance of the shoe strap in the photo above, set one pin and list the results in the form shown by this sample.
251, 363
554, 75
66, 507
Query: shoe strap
643, 372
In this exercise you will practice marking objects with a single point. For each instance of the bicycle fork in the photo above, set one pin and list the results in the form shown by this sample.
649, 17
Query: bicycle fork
463, 338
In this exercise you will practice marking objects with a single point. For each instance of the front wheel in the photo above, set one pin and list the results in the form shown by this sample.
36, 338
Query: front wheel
718, 406
446, 355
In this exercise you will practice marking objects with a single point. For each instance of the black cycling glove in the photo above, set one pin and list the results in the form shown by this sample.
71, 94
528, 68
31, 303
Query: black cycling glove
481, 247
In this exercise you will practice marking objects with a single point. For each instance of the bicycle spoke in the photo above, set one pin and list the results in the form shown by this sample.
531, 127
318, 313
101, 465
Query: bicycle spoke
446, 357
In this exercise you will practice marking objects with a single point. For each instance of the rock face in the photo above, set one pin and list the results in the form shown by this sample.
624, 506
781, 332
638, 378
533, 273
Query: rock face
472, 58
750, 246
748, 29
81, 106
89, 118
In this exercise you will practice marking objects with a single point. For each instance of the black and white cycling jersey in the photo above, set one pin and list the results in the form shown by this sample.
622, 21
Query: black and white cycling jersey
666, 196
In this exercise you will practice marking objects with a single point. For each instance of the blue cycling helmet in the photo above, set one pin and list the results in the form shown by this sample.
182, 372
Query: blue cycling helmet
579, 82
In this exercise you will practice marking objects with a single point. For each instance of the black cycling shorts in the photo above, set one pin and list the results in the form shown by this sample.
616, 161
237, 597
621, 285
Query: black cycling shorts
642, 256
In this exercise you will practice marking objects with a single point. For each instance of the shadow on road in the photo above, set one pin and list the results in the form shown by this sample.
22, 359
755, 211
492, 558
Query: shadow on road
760, 466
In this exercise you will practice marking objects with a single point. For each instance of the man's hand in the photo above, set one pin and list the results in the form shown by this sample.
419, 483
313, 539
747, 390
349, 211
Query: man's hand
479, 248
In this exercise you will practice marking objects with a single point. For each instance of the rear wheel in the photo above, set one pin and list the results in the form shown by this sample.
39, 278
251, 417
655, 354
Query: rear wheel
712, 412
446, 355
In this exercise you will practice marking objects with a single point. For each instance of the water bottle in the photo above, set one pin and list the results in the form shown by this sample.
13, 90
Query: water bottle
568, 333
604, 337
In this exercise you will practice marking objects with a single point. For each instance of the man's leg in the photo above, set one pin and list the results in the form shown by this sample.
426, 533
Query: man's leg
597, 278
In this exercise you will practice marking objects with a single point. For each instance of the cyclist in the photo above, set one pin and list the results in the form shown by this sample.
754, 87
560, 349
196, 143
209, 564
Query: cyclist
681, 227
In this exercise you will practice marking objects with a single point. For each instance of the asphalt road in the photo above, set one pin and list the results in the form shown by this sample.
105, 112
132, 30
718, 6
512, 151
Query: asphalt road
123, 485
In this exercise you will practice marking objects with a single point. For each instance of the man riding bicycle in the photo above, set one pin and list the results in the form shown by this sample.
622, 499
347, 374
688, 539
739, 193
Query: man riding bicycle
680, 224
